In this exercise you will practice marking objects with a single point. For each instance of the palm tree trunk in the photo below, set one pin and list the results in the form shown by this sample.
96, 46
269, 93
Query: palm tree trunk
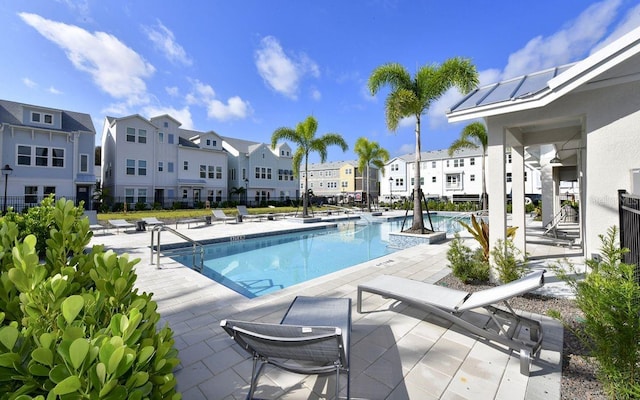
483, 200
368, 199
418, 222
305, 196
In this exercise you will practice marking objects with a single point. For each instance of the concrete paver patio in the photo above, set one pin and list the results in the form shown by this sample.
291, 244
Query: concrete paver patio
399, 354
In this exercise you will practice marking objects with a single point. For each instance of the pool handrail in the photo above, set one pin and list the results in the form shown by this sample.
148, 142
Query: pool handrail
196, 245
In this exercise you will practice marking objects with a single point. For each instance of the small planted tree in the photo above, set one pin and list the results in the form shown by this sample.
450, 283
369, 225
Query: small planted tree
72, 325
609, 297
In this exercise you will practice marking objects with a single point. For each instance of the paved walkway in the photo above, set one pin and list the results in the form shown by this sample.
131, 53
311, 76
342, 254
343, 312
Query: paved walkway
402, 354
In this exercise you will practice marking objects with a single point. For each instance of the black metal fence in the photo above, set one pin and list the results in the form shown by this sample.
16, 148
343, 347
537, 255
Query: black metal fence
629, 209
22, 203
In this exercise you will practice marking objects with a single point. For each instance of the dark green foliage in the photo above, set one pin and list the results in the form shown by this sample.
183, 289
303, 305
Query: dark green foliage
466, 264
609, 297
72, 325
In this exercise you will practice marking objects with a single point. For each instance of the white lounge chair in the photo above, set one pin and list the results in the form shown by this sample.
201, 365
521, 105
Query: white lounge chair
120, 223
312, 338
94, 225
244, 213
450, 304
152, 221
219, 215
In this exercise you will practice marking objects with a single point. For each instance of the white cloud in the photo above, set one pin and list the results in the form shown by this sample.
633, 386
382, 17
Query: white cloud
407, 149
407, 122
183, 115
236, 108
316, 94
566, 45
114, 67
164, 40
53, 90
203, 95
172, 91
630, 22
29, 83
281, 72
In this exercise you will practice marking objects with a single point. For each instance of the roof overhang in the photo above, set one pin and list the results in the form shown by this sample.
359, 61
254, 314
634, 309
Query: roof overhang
597, 70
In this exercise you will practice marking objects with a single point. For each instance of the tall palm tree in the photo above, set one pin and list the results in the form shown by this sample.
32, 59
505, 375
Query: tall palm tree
304, 137
370, 153
412, 97
474, 136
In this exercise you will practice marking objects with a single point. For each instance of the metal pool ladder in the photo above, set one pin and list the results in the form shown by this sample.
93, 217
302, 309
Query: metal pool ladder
197, 247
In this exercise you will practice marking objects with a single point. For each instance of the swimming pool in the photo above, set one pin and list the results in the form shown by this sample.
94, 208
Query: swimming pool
258, 266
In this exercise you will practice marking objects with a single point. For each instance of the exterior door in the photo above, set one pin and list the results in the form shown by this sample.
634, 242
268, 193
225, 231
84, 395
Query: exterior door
82, 194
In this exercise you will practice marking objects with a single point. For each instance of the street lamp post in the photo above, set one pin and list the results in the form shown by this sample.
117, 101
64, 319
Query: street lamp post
246, 192
390, 190
6, 171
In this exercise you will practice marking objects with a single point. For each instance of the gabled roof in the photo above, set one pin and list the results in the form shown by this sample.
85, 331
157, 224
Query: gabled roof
613, 64
11, 113
184, 142
242, 146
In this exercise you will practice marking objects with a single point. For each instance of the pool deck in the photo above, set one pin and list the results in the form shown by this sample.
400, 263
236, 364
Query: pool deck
401, 354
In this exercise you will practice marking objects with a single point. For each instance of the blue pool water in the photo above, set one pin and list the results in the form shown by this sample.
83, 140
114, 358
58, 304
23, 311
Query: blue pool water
255, 267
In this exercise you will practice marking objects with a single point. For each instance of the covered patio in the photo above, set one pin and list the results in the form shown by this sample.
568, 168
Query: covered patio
578, 123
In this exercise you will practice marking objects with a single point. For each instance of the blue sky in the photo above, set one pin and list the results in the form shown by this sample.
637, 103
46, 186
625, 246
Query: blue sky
245, 68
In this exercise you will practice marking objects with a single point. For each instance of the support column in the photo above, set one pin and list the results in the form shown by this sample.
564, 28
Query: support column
496, 187
518, 212
549, 186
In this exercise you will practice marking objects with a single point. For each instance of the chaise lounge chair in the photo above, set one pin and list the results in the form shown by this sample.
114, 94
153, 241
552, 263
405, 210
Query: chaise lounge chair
120, 223
312, 338
152, 221
450, 304
94, 225
219, 215
244, 213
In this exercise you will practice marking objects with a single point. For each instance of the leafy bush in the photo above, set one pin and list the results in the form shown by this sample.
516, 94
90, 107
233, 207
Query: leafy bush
509, 261
480, 231
73, 326
466, 264
609, 297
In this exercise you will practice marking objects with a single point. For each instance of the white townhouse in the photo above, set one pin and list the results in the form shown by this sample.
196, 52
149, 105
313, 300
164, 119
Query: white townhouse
264, 173
155, 162
457, 177
45, 150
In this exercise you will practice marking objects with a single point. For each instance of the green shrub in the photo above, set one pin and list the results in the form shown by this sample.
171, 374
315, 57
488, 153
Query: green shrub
509, 261
609, 297
72, 326
466, 264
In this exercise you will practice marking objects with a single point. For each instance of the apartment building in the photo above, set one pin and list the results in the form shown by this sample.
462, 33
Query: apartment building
341, 181
457, 178
266, 174
43, 151
155, 162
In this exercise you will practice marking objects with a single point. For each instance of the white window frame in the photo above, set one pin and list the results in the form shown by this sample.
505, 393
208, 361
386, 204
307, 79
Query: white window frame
84, 162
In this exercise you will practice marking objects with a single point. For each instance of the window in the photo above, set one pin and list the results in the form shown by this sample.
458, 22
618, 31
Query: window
263, 173
453, 181
170, 138
160, 137
210, 172
30, 194
49, 190
142, 136
84, 163
42, 156
142, 195
433, 179
414, 179
458, 162
131, 135
268, 173
24, 155
244, 174
509, 177
35, 117
472, 178
160, 166
525, 176
399, 181
472, 161
232, 174
129, 196
131, 167
509, 158
203, 171
208, 142
165, 124
57, 157
218, 172
433, 164
48, 119
447, 163
257, 172
185, 166
142, 167
184, 193
41, 118
170, 167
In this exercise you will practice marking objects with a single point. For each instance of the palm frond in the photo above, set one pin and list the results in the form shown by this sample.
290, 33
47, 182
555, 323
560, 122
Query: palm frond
392, 74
